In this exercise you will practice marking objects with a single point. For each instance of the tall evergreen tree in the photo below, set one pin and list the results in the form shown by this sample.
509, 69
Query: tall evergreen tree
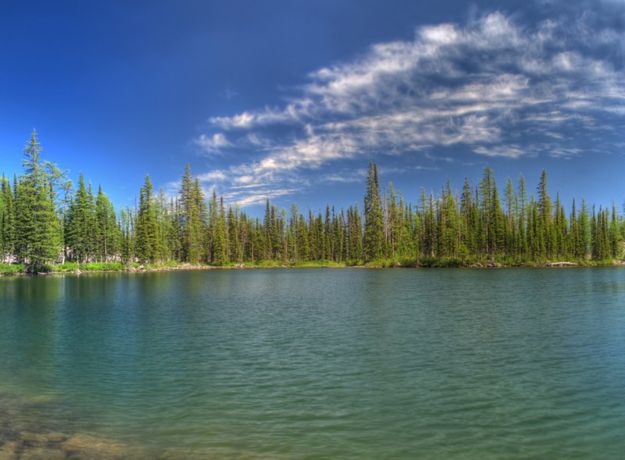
7, 221
146, 243
106, 229
80, 224
36, 226
192, 219
374, 226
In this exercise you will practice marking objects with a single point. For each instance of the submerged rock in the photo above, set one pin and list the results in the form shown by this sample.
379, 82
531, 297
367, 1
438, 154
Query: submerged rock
42, 439
8, 451
30, 445
42, 453
86, 446
33, 439
27, 437
56, 437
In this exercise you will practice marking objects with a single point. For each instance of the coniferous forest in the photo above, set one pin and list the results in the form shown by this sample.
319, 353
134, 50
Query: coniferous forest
46, 220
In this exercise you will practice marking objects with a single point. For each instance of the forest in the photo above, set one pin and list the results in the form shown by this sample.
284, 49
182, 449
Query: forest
46, 221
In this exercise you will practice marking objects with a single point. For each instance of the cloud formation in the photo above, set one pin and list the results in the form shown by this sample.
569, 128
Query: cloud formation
212, 144
491, 87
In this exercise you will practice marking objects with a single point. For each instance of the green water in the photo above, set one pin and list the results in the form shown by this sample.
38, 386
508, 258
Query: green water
324, 363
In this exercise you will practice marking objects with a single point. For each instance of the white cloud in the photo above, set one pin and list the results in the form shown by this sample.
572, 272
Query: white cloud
212, 144
257, 197
346, 177
506, 151
212, 176
491, 87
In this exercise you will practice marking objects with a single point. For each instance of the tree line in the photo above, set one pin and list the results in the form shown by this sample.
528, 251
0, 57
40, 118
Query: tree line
44, 219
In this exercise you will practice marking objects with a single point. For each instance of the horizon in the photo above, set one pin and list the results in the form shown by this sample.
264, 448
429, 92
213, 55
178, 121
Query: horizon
290, 106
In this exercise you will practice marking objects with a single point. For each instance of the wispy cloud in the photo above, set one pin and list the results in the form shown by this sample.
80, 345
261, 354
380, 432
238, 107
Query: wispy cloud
345, 177
491, 87
507, 151
212, 144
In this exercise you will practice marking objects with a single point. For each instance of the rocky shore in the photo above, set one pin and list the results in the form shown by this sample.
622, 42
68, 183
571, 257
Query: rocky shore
434, 263
28, 445
24, 439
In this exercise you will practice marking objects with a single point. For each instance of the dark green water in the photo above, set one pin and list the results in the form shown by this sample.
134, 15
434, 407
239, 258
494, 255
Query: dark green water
324, 363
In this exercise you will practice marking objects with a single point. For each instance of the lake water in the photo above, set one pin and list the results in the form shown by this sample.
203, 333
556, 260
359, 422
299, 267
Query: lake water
320, 363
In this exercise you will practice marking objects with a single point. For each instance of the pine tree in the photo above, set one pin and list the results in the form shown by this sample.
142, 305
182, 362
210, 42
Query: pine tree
374, 227
127, 235
615, 235
7, 221
146, 244
522, 245
80, 224
584, 241
468, 210
546, 217
510, 223
107, 231
220, 243
36, 226
192, 218
235, 247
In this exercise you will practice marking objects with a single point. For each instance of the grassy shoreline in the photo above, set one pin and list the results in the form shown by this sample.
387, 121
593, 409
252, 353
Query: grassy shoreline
98, 267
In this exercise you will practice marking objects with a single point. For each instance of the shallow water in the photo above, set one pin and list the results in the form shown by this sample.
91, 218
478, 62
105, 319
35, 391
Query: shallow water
514, 363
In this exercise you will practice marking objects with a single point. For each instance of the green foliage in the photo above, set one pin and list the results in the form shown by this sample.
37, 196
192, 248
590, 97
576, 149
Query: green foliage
146, 232
80, 224
37, 229
87, 267
218, 232
7, 220
44, 222
373, 244
107, 233
11, 269
190, 224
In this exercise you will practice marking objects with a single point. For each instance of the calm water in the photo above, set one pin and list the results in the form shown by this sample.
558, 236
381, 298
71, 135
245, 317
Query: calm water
325, 363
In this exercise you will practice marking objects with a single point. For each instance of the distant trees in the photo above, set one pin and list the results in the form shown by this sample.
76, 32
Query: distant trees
91, 229
191, 223
43, 220
80, 224
107, 232
7, 220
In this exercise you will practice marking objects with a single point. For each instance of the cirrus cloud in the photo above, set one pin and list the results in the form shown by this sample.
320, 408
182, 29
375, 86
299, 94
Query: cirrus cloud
491, 87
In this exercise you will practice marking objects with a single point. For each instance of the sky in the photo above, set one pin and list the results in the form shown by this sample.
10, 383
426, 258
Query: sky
290, 100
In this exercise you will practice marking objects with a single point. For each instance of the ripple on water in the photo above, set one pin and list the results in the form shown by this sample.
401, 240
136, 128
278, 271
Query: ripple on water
315, 363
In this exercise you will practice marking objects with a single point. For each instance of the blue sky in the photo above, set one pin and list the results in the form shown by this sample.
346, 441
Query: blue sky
289, 100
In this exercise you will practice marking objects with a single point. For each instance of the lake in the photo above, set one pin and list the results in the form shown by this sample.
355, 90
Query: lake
317, 363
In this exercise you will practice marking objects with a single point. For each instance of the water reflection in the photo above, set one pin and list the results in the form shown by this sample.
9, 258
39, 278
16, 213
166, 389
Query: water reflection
321, 363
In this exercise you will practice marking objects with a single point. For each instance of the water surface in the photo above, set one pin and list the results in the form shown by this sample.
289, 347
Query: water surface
322, 363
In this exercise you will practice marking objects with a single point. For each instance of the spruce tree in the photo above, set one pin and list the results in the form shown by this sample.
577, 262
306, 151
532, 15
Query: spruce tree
107, 231
191, 218
7, 221
80, 225
146, 243
584, 242
220, 243
374, 226
36, 226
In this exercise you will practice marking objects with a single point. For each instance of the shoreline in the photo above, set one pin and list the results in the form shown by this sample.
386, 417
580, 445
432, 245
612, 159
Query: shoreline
80, 269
